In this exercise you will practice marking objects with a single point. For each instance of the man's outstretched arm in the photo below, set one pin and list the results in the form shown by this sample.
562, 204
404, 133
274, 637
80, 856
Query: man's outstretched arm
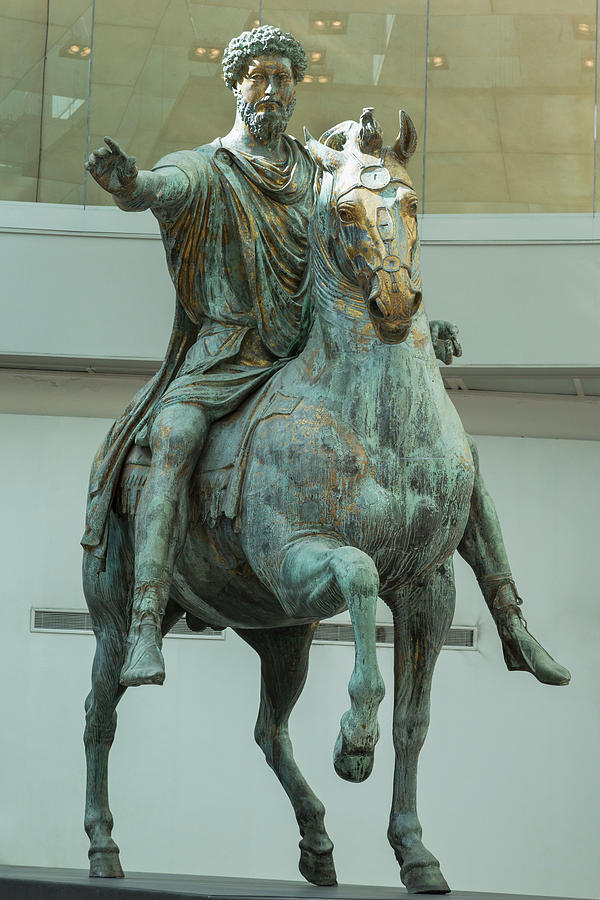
163, 191
482, 546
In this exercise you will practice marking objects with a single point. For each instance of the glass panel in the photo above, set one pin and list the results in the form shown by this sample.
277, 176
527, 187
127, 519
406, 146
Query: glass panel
66, 102
373, 58
22, 38
511, 106
160, 88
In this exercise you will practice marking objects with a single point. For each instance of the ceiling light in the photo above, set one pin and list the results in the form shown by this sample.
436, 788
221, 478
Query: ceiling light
588, 63
320, 76
76, 50
584, 31
317, 56
327, 23
437, 61
205, 54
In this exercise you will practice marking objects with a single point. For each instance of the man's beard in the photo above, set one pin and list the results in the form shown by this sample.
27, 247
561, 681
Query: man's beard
267, 125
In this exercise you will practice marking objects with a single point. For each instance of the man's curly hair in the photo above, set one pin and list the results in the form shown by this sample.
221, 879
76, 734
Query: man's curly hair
263, 41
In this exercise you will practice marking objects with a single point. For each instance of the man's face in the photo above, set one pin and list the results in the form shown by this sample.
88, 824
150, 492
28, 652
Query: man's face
266, 96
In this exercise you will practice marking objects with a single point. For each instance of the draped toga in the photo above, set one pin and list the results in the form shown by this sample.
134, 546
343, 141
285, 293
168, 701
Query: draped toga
235, 232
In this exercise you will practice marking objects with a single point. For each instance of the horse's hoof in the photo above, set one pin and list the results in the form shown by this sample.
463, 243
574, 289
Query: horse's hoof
318, 868
352, 765
105, 864
425, 880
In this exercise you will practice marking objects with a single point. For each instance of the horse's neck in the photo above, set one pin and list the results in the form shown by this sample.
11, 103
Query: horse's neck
343, 333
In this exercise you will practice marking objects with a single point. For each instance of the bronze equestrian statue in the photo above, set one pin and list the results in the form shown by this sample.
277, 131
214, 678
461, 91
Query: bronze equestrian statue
296, 454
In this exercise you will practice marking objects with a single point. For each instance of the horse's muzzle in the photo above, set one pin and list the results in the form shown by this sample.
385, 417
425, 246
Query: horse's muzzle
392, 303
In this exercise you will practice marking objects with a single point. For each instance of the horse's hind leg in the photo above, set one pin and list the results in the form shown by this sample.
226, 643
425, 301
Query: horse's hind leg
110, 628
320, 576
106, 593
284, 665
418, 638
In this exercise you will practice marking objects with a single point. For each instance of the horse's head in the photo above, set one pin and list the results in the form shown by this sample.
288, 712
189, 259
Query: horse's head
369, 208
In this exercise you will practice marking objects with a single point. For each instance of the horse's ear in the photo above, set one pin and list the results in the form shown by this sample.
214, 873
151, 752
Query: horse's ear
326, 157
406, 142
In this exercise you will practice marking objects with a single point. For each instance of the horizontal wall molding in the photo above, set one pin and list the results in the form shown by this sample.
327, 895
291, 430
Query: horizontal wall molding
467, 228
102, 388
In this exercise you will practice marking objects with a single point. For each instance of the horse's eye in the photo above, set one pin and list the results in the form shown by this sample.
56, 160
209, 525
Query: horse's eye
413, 205
346, 214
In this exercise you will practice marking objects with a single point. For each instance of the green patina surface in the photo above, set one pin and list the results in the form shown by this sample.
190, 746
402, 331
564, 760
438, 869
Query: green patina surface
297, 454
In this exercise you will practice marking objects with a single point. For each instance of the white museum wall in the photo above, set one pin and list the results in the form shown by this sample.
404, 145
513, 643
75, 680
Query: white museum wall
70, 276
509, 775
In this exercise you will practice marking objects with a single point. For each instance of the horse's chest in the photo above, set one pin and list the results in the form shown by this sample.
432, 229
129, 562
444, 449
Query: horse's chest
405, 512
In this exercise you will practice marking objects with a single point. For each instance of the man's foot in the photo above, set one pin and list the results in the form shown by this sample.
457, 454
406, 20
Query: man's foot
523, 653
144, 663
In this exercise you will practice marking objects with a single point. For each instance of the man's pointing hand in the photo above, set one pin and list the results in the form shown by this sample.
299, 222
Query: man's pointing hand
111, 167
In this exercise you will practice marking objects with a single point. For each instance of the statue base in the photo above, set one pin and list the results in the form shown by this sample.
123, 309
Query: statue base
32, 883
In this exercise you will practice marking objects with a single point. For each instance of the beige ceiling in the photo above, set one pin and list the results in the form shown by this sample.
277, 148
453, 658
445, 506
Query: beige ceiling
509, 118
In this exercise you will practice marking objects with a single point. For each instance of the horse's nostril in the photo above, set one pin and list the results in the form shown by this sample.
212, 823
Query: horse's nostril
375, 310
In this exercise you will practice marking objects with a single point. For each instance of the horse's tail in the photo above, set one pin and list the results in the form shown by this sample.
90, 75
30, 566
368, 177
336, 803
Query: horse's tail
108, 588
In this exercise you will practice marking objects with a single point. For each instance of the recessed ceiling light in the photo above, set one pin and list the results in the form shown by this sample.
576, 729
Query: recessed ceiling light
76, 50
588, 63
437, 61
320, 76
584, 29
205, 54
327, 23
317, 56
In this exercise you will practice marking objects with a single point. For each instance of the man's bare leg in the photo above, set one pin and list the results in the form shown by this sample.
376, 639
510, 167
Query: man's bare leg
176, 439
482, 546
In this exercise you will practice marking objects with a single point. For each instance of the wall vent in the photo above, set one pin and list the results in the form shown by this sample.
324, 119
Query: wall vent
77, 621
459, 637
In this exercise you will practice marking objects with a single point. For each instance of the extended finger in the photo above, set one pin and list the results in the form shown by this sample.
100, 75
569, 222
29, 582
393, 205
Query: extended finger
91, 161
448, 352
113, 146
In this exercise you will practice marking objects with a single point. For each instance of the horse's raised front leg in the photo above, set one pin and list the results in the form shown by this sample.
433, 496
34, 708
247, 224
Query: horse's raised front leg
284, 664
422, 617
320, 577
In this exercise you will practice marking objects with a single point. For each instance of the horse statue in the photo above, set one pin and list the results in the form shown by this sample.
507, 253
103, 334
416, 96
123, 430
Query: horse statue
351, 479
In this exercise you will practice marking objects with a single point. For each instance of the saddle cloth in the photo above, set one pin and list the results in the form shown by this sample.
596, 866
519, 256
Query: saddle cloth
217, 483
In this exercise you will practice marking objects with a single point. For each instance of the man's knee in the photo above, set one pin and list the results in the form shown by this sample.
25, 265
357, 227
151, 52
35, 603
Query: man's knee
178, 434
